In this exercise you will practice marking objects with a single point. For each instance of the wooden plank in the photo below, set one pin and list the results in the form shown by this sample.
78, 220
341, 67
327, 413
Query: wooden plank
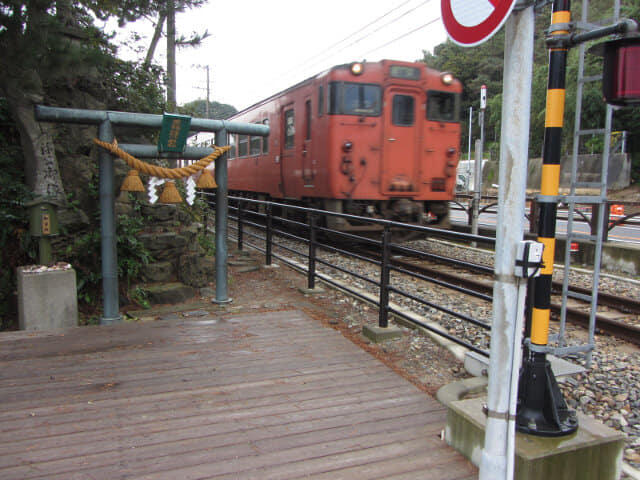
268, 395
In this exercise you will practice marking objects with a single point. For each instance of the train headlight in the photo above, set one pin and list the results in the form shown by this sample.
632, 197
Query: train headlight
357, 68
447, 78
347, 146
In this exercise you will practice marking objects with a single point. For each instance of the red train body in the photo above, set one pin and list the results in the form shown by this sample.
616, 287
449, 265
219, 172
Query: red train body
373, 139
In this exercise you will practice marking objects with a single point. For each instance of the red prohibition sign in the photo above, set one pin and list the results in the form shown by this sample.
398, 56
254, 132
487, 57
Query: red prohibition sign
470, 22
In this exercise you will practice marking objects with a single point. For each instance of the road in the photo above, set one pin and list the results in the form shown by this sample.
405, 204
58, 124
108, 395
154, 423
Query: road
629, 233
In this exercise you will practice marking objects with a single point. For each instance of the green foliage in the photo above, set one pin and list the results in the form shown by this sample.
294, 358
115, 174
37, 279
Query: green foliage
140, 295
132, 87
219, 111
16, 246
85, 255
483, 64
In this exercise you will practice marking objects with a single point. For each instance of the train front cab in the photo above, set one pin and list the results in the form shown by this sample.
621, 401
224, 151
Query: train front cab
395, 150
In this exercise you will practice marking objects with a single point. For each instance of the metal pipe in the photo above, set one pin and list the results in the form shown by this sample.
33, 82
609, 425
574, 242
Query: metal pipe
111, 305
624, 26
222, 203
75, 115
497, 461
151, 151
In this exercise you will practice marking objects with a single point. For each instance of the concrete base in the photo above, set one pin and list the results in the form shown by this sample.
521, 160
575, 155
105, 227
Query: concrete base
478, 366
310, 291
47, 299
594, 452
380, 334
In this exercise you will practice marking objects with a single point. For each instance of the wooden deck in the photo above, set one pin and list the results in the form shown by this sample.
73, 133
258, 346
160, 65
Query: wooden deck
267, 396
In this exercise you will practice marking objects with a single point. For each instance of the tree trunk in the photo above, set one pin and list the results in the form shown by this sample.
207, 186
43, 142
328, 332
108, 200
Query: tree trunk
156, 37
41, 166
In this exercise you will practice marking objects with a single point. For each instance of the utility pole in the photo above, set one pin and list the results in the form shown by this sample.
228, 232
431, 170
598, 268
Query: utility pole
498, 455
207, 105
171, 56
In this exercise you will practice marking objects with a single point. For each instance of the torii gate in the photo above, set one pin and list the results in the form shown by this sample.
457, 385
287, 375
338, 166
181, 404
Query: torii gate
105, 121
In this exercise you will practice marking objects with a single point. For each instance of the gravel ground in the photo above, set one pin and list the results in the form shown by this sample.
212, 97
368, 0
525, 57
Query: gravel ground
608, 392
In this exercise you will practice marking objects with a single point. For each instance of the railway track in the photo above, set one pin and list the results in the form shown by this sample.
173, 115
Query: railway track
478, 278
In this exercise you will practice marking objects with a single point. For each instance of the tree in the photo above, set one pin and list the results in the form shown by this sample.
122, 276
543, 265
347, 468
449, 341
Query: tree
217, 110
46, 42
167, 14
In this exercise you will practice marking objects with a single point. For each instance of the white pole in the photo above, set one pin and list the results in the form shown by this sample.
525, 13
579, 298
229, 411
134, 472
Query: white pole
506, 330
469, 154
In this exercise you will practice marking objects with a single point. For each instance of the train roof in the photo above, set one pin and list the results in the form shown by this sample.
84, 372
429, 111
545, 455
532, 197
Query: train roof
325, 72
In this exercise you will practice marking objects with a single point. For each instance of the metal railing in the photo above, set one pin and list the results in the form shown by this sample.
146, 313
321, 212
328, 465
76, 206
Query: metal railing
266, 222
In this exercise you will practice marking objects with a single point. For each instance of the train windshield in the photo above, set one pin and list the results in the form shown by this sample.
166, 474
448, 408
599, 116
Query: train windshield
443, 106
348, 98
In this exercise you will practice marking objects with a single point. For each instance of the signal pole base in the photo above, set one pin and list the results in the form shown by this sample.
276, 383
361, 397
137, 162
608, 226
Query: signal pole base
542, 410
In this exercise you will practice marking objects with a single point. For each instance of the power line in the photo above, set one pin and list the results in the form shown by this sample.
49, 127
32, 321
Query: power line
364, 37
348, 37
403, 35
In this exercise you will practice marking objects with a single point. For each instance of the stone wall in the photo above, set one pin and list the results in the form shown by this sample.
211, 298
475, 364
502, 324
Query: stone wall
171, 236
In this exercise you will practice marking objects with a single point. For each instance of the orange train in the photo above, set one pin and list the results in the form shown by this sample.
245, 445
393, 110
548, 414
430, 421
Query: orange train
371, 139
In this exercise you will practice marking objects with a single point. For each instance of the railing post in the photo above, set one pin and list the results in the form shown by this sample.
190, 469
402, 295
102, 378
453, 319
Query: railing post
383, 318
269, 240
311, 274
240, 228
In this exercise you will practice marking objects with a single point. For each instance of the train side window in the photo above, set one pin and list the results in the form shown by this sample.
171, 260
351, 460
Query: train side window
265, 140
243, 144
320, 100
403, 114
443, 106
231, 141
289, 129
333, 100
255, 144
307, 111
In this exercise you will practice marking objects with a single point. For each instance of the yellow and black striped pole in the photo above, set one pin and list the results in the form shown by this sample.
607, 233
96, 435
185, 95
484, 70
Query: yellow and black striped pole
541, 407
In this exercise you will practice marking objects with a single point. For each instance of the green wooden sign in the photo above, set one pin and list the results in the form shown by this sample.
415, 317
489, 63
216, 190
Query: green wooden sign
174, 132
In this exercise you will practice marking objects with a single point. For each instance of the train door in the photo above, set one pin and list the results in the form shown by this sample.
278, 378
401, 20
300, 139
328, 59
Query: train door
287, 150
400, 169
307, 152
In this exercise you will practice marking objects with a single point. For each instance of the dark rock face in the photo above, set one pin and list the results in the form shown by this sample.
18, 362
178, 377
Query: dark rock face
196, 270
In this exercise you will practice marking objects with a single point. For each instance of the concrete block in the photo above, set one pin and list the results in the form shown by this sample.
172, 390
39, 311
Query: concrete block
47, 299
478, 366
594, 452
380, 334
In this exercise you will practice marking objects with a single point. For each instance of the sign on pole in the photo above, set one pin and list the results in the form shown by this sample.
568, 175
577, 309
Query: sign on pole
471, 22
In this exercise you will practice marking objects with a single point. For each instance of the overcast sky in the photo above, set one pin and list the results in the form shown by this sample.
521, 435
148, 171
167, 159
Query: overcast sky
259, 47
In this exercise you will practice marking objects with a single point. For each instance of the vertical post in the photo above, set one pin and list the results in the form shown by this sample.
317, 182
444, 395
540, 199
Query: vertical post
477, 189
207, 105
497, 460
269, 240
240, 227
542, 409
311, 273
383, 316
468, 177
110, 313
222, 212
